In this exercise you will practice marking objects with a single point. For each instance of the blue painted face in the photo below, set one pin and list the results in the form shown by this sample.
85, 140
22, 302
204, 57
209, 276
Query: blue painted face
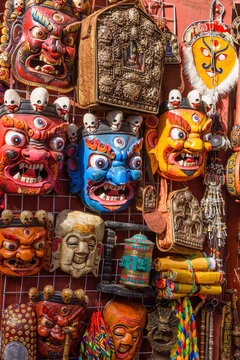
104, 170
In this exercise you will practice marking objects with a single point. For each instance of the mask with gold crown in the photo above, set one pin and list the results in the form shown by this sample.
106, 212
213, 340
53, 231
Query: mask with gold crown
39, 41
25, 242
178, 141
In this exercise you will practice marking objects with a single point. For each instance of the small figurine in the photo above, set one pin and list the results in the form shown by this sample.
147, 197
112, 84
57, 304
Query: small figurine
90, 122
39, 99
12, 100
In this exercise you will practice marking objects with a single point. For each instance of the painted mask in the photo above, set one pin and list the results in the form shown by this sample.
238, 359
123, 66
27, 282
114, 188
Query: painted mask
56, 317
105, 165
177, 143
210, 58
78, 243
25, 243
31, 147
126, 322
19, 332
39, 43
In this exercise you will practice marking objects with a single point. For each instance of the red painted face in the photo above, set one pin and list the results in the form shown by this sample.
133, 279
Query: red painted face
31, 153
52, 318
46, 51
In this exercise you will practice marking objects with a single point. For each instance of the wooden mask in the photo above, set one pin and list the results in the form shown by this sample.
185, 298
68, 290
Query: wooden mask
178, 141
126, 321
210, 57
31, 46
58, 315
32, 138
18, 333
25, 243
77, 245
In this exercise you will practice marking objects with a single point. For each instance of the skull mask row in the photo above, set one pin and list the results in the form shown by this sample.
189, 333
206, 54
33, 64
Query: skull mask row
105, 163
32, 137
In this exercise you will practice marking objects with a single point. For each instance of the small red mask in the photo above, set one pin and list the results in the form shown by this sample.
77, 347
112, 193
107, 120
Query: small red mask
53, 317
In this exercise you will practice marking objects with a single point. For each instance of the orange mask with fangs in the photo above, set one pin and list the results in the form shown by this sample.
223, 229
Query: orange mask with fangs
178, 141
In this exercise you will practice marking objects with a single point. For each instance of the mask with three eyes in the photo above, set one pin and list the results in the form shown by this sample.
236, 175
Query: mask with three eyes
178, 141
39, 41
77, 245
210, 57
126, 322
105, 166
56, 317
32, 142
25, 244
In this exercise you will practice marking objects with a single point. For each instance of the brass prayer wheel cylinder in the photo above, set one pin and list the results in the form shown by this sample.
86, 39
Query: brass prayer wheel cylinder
136, 261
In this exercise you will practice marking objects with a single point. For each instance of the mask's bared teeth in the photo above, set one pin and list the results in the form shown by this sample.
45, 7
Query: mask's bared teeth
103, 196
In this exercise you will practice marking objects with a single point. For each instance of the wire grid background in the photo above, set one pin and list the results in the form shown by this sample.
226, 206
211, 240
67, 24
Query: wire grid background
14, 289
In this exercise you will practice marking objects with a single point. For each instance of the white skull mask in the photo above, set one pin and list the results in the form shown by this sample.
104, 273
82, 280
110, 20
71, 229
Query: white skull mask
12, 100
90, 122
39, 99
207, 102
78, 4
115, 119
62, 107
135, 122
194, 98
175, 98
72, 133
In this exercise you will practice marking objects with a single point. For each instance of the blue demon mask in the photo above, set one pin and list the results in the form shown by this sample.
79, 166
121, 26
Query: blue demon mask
104, 166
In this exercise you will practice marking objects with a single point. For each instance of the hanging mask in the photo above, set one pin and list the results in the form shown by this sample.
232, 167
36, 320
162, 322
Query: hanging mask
59, 322
177, 143
25, 243
18, 337
39, 41
105, 165
78, 243
126, 322
32, 138
210, 57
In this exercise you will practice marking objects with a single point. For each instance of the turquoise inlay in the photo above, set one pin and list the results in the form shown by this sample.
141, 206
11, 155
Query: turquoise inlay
41, 19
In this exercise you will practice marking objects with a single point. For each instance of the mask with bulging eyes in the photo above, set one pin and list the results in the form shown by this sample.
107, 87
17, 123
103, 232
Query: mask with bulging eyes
78, 243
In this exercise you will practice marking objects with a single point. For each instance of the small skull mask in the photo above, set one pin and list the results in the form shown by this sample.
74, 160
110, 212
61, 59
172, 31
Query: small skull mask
39, 99
32, 294
135, 122
194, 98
67, 295
26, 217
175, 98
48, 292
12, 100
90, 122
72, 133
7, 217
115, 119
63, 106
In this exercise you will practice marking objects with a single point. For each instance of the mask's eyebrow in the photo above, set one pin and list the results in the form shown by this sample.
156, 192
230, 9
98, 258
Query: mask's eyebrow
175, 119
72, 28
96, 145
136, 147
41, 19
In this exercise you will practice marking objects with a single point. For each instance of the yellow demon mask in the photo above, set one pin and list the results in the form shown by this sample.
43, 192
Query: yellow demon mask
178, 141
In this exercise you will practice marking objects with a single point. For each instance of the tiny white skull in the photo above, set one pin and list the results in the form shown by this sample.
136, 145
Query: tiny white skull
194, 98
78, 4
135, 122
115, 119
175, 98
12, 100
90, 122
39, 99
72, 133
207, 102
62, 107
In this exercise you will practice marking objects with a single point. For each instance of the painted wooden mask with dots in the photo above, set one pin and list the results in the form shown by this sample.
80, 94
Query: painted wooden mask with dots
32, 138
25, 243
